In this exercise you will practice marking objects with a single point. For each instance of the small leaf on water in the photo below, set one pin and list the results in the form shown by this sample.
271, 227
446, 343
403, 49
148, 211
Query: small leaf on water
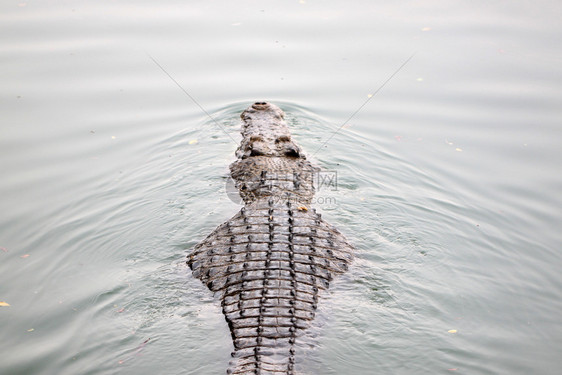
24, 256
452, 331
31, 330
458, 149
302, 208
193, 141
4, 304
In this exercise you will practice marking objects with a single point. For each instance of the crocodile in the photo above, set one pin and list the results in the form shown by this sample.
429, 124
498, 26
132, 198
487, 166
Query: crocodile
269, 262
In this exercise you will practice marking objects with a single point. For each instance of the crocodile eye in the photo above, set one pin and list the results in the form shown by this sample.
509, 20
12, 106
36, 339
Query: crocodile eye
292, 153
283, 138
255, 152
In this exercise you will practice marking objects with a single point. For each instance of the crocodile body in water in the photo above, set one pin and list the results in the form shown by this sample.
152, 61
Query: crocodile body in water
269, 262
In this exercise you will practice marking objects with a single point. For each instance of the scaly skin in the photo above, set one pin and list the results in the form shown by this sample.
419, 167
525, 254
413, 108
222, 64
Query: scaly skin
269, 262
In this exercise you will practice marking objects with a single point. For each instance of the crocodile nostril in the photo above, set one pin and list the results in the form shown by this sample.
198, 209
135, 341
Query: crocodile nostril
260, 105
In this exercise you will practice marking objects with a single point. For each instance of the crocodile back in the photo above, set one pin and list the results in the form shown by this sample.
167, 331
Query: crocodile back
269, 263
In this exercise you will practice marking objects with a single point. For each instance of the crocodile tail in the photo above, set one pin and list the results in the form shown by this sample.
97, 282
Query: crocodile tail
268, 264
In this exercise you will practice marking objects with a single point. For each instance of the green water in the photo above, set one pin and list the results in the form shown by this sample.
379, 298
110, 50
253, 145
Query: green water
448, 179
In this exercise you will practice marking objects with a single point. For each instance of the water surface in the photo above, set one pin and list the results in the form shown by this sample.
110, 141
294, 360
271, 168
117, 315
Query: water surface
448, 178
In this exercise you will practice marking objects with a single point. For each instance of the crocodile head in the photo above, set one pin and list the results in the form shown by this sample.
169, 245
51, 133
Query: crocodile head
264, 133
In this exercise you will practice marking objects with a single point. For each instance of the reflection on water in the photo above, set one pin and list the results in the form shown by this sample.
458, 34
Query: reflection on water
447, 181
